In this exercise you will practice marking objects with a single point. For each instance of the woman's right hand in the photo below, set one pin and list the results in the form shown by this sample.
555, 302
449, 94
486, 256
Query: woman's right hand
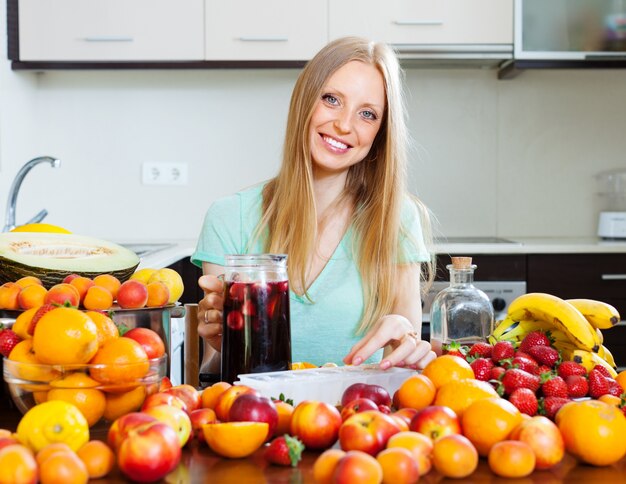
210, 310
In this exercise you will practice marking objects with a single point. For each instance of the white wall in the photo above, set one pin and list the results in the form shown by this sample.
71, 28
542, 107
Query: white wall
506, 158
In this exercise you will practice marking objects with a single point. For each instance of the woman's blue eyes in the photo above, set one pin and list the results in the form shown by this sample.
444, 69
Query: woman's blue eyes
332, 100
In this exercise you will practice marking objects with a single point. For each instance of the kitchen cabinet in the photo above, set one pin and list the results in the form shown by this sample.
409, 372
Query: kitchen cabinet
111, 30
267, 30
411, 25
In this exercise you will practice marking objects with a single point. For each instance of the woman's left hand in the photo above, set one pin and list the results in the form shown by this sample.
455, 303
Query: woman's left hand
407, 348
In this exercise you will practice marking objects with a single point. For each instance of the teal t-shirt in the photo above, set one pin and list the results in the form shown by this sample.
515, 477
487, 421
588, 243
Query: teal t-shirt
323, 329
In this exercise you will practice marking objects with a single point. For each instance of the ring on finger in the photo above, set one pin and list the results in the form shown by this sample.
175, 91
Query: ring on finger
206, 317
413, 336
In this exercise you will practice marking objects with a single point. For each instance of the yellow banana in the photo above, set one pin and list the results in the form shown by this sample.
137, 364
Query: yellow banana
560, 313
502, 327
605, 354
589, 360
600, 335
512, 330
600, 315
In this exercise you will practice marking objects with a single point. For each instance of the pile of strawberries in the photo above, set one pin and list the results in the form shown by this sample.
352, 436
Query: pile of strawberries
533, 377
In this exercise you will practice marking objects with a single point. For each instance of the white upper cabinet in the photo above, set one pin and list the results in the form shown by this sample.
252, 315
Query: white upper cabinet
111, 30
262, 30
407, 23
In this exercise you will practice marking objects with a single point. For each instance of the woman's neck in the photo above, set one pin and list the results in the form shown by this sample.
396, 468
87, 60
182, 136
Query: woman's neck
327, 188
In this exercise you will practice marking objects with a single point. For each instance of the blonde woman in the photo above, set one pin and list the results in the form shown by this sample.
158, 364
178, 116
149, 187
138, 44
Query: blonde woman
356, 240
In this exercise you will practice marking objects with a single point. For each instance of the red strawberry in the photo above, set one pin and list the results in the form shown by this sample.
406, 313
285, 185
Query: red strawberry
525, 400
496, 373
516, 378
482, 368
455, 349
285, 451
502, 350
614, 387
8, 340
577, 386
567, 368
534, 338
602, 370
545, 369
525, 363
480, 350
549, 406
521, 353
544, 355
553, 386
38, 315
598, 384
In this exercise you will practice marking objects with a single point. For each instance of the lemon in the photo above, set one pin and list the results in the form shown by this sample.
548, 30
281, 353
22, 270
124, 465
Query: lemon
172, 280
143, 275
53, 421
39, 227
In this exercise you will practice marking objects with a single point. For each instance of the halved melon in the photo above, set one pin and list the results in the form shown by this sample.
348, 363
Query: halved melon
52, 256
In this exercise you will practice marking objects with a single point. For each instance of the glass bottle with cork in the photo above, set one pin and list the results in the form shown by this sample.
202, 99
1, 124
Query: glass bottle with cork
460, 313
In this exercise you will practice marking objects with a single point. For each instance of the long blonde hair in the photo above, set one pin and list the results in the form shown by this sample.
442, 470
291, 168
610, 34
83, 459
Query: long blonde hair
376, 184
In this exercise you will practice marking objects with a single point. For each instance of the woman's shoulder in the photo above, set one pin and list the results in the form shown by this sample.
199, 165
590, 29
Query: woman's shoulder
242, 200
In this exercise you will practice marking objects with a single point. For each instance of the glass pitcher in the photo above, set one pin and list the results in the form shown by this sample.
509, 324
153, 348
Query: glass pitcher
256, 333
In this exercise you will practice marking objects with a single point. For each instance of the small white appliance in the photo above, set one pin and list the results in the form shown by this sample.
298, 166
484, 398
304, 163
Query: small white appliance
612, 225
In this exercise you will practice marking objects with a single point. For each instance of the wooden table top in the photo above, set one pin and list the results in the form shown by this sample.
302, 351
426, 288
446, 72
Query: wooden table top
200, 465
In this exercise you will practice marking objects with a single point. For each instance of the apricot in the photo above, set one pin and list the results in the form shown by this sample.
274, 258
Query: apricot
325, 465
31, 296
108, 281
82, 285
28, 281
398, 466
132, 294
61, 294
158, 294
9, 293
98, 298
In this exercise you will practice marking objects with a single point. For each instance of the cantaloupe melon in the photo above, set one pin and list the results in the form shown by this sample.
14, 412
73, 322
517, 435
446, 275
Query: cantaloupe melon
52, 256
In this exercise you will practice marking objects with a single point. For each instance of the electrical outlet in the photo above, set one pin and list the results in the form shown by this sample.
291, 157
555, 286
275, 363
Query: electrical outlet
164, 173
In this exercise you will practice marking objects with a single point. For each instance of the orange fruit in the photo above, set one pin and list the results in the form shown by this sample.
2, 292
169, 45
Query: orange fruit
118, 404
106, 328
28, 366
446, 368
417, 391
98, 458
325, 465
488, 421
621, 379
454, 456
17, 464
98, 298
63, 467
593, 431
22, 323
109, 282
120, 360
511, 458
418, 444
459, 394
235, 439
50, 449
79, 389
398, 466
210, 394
285, 411
65, 336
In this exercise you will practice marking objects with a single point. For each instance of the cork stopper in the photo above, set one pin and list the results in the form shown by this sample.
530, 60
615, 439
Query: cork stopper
461, 262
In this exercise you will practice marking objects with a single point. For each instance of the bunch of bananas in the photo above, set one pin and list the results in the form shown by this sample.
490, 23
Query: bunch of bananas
574, 326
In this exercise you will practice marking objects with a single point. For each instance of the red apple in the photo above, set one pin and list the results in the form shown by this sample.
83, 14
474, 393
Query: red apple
436, 421
188, 394
175, 418
376, 393
316, 424
122, 426
132, 294
149, 452
227, 397
254, 408
163, 398
199, 418
367, 431
165, 384
357, 405
149, 340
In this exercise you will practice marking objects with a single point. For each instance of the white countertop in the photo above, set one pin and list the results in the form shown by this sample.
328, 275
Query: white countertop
182, 249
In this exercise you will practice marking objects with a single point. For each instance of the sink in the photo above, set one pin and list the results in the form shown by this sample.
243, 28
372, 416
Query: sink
143, 250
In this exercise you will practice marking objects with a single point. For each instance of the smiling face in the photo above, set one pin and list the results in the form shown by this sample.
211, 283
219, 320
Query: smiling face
347, 117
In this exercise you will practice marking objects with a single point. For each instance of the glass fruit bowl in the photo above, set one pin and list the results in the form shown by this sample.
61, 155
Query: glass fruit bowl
101, 392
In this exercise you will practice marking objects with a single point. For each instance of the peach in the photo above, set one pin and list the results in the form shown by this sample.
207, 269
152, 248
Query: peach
9, 292
158, 294
108, 281
63, 293
132, 294
82, 285
398, 466
67, 279
98, 298
358, 466
28, 281
31, 296
325, 465
511, 458
420, 446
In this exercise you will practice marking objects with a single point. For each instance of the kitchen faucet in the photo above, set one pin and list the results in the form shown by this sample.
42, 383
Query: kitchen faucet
15, 187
